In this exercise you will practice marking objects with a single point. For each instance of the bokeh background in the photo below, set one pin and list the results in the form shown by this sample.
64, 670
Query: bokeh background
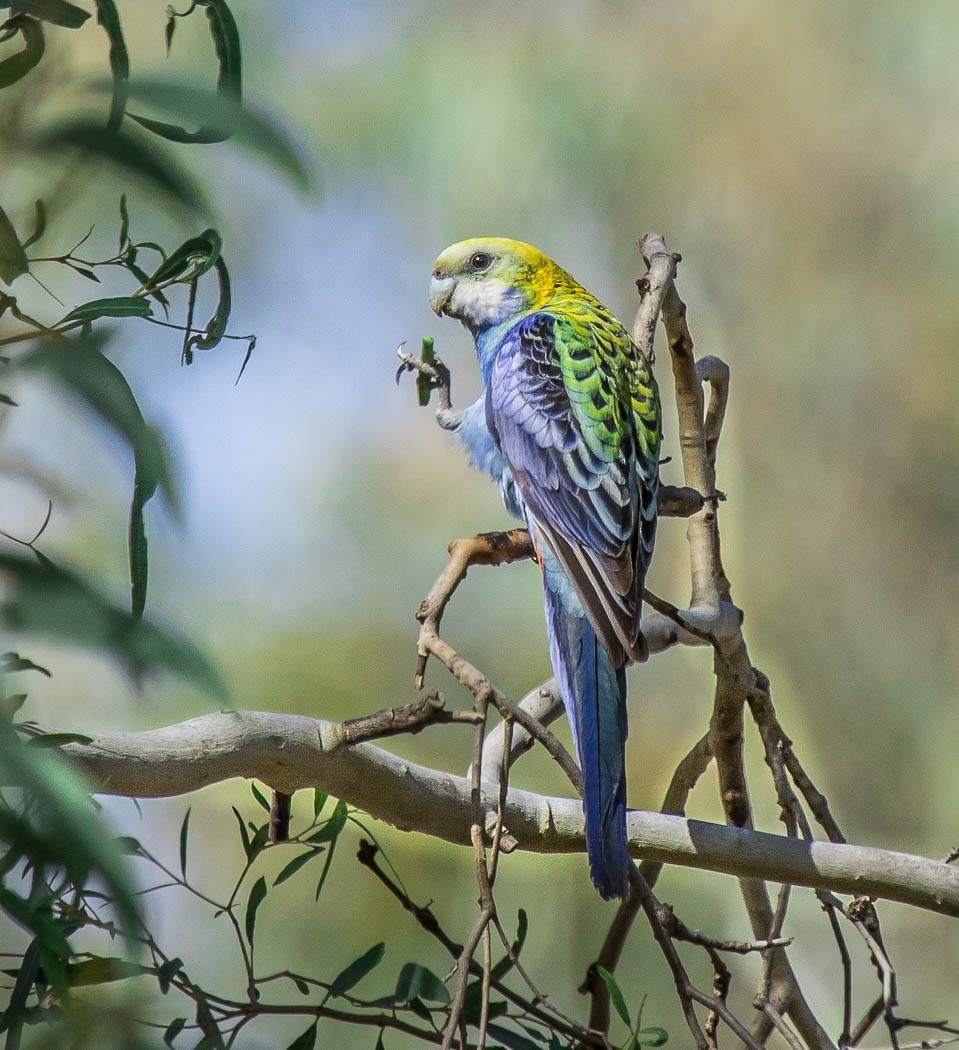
804, 159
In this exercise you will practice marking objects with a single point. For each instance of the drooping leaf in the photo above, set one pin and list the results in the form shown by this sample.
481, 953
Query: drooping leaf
66, 818
295, 864
39, 224
54, 603
50, 740
219, 118
104, 970
6, 399
511, 1040
109, 18
305, 1041
417, 981
615, 995
216, 326
503, 967
13, 259
189, 261
142, 160
473, 1000
167, 972
57, 12
260, 797
11, 662
184, 840
356, 971
119, 306
79, 367
244, 834
332, 828
173, 1029
10, 705
18, 65
257, 896
124, 223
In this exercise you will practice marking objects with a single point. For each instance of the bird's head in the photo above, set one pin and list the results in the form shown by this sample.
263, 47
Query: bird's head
486, 281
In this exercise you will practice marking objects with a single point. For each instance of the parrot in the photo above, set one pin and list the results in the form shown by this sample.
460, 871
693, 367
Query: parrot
568, 425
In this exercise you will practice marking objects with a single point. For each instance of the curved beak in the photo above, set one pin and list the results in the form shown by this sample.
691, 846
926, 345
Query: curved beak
441, 291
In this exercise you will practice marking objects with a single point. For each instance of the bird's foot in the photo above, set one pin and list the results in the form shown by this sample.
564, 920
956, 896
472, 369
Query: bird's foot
431, 374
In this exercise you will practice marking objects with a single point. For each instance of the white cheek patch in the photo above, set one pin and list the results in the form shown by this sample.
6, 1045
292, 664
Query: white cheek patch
483, 303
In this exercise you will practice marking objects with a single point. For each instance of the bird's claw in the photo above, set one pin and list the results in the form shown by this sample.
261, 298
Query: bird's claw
436, 372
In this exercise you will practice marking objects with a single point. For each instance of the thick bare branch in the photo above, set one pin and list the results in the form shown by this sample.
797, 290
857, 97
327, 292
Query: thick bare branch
289, 752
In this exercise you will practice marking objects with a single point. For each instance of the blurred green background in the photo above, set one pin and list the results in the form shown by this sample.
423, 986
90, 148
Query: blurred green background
804, 160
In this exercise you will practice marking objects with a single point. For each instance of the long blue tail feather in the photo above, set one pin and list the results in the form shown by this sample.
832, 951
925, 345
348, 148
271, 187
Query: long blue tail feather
594, 694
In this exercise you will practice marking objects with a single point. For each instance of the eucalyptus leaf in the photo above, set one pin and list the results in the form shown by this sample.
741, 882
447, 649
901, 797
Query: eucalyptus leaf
257, 896
13, 259
119, 306
140, 159
109, 19
17, 66
357, 970
416, 981
220, 118
57, 12
54, 603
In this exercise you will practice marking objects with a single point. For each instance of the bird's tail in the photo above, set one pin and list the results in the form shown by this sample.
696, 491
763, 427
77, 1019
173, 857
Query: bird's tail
594, 694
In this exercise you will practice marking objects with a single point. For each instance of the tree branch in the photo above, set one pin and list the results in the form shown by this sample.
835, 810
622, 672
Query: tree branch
289, 752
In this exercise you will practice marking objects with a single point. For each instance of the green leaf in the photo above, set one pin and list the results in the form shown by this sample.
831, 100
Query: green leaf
10, 662
417, 981
78, 366
136, 158
615, 995
54, 603
332, 828
380, 1045
51, 740
103, 970
189, 261
257, 895
128, 845
219, 118
356, 971
120, 306
260, 797
6, 399
510, 1039
167, 972
174, 1028
57, 12
124, 223
184, 840
306, 1041
319, 801
472, 1002
244, 834
67, 820
216, 327
14, 1014
10, 705
39, 224
109, 19
13, 259
423, 387
18, 65
295, 864
505, 964
655, 1036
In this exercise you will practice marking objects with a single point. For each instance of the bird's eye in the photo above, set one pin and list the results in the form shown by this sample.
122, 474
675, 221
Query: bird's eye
480, 261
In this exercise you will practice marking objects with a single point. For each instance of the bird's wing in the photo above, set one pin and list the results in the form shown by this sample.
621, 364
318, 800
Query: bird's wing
574, 407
